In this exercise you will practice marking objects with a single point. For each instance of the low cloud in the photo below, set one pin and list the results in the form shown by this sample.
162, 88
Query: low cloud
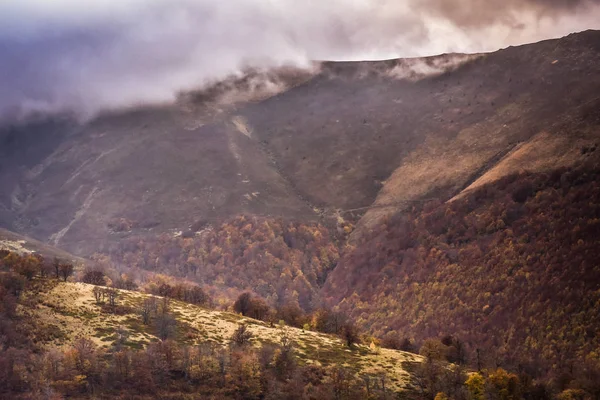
86, 56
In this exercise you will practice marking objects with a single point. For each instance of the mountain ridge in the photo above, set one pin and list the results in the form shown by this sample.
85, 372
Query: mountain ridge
344, 136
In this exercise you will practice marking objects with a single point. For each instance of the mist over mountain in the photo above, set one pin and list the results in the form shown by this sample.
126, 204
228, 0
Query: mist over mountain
296, 143
70, 56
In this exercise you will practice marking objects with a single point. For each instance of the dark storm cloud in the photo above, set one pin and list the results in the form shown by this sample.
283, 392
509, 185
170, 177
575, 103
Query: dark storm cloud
97, 54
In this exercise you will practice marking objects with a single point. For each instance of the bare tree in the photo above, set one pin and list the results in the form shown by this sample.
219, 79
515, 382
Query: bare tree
28, 267
45, 269
165, 325
165, 306
85, 350
243, 304
121, 337
56, 265
350, 334
98, 294
285, 360
147, 308
112, 294
66, 270
94, 277
241, 336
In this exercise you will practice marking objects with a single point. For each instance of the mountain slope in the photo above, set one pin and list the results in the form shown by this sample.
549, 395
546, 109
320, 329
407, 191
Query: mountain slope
432, 137
340, 138
147, 169
70, 311
510, 268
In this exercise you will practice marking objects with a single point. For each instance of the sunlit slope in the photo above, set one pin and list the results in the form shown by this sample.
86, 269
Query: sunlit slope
67, 311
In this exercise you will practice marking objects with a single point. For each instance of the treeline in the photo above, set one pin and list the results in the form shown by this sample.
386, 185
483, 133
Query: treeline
321, 320
156, 284
23, 268
511, 269
282, 262
32, 265
290, 313
167, 370
19, 273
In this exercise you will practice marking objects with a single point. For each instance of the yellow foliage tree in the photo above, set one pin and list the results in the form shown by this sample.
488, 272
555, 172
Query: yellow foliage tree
476, 386
504, 384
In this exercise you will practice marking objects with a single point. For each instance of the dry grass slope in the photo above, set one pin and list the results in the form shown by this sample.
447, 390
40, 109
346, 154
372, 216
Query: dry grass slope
72, 309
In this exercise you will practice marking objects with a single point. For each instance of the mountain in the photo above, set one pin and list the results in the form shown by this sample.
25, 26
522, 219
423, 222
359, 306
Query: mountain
13, 242
341, 137
453, 197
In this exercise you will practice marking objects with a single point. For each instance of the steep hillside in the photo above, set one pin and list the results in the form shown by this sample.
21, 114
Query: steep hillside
153, 169
145, 171
71, 309
80, 340
283, 262
339, 137
510, 267
355, 127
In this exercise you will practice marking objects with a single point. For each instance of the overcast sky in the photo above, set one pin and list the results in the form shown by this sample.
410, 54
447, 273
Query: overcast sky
97, 54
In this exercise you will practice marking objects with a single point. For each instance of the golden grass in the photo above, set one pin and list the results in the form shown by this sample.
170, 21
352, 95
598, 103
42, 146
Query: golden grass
544, 152
439, 163
72, 308
484, 152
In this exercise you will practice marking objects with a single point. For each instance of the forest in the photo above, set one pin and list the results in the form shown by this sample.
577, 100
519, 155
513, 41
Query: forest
170, 368
511, 269
284, 262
